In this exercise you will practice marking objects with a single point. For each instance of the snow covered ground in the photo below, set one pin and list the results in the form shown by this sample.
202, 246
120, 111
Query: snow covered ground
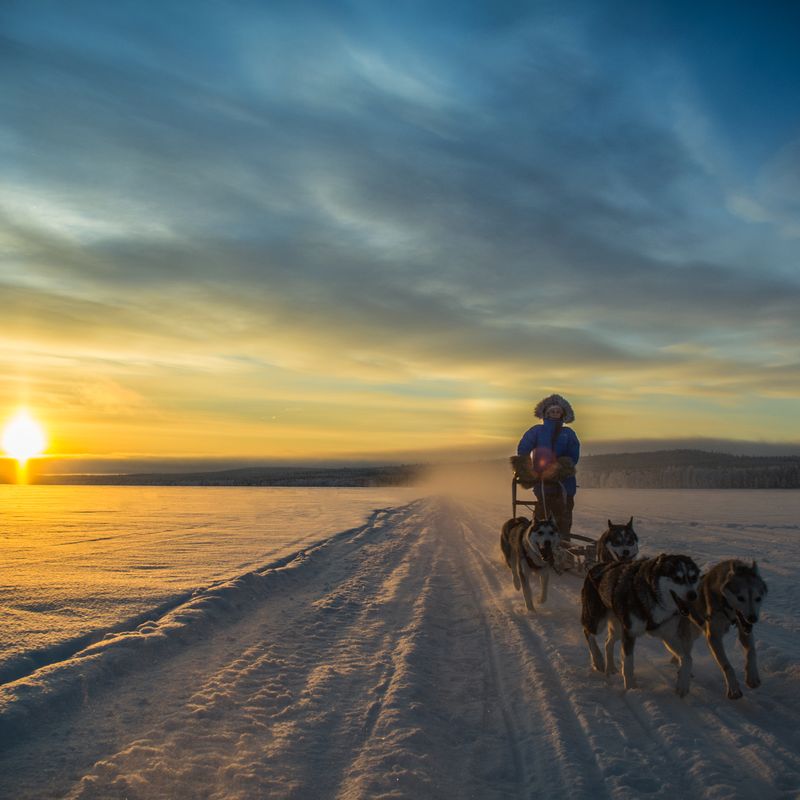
394, 659
79, 561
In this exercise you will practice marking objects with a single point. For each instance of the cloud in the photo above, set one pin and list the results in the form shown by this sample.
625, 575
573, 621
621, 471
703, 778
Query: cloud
343, 202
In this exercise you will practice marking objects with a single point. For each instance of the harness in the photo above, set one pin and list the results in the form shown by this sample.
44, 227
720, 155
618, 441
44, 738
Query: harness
735, 617
731, 614
698, 619
649, 623
530, 557
552, 488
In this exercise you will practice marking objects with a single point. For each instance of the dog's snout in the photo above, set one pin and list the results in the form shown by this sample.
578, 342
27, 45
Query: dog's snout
752, 619
626, 553
691, 596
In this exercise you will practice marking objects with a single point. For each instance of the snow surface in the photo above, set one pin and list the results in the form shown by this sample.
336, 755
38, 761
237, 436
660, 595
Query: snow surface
79, 561
394, 659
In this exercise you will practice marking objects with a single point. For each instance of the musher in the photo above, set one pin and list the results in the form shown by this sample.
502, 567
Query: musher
554, 451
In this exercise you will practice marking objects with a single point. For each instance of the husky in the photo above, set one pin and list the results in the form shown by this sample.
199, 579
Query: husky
531, 546
636, 597
730, 594
618, 543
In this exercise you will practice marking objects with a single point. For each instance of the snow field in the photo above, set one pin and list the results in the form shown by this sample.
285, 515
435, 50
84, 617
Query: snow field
395, 660
78, 562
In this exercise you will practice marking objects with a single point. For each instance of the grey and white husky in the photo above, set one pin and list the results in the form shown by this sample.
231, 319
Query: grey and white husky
637, 597
730, 594
531, 546
618, 543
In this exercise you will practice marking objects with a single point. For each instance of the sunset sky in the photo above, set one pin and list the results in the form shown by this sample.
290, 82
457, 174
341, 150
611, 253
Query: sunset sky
342, 230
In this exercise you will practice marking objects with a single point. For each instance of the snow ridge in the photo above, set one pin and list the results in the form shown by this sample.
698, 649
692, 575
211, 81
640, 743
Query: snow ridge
64, 676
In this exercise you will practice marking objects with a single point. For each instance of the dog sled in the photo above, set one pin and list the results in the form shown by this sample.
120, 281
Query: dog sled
582, 549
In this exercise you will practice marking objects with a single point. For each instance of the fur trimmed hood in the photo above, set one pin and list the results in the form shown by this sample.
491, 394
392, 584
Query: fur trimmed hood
555, 400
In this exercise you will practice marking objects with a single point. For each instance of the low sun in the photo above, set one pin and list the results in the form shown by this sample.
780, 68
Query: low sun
23, 437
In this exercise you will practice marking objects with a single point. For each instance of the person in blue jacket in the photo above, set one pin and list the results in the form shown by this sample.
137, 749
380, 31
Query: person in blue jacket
548, 445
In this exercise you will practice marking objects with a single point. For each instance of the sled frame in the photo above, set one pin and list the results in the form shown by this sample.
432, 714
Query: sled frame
584, 555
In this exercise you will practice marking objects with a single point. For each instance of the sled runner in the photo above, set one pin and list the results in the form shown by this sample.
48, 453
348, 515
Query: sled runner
583, 555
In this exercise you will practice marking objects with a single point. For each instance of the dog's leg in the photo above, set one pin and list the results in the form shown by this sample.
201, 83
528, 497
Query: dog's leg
594, 651
593, 614
628, 643
613, 634
714, 634
505, 549
544, 580
679, 642
526, 586
747, 641
516, 571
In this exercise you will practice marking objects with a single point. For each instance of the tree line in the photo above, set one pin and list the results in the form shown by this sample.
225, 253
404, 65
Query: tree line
688, 469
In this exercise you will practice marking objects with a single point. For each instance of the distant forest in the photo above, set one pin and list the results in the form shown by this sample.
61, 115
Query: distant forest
402, 475
688, 469
662, 469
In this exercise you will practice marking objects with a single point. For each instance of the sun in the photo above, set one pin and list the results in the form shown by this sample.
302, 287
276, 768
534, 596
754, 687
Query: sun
23, 437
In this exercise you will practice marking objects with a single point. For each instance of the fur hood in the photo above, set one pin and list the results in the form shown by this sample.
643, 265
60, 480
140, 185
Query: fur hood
554, 400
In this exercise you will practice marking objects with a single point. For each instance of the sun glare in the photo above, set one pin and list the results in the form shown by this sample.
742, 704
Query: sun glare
23, 437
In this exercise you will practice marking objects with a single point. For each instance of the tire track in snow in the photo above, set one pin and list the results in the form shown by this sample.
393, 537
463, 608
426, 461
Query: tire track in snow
228, 655
569, 766
286, 710
453, 743
390, 703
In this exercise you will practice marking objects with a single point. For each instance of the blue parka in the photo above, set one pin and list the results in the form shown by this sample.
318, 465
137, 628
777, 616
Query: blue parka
537, 440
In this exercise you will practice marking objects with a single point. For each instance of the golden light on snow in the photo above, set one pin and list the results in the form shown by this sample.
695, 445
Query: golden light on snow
23, 437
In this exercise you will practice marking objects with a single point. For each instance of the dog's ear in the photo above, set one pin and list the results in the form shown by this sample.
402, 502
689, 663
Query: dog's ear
610, 524
630, 523
754, 567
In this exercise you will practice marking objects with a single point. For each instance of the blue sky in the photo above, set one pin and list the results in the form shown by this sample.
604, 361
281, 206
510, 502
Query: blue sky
301, 229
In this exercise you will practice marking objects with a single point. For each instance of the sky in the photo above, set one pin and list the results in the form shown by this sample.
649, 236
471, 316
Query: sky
296, 231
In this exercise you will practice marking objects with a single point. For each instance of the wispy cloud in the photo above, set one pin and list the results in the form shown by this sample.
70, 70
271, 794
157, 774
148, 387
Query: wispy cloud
337, 201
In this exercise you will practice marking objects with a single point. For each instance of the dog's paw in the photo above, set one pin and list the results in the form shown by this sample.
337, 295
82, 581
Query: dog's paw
681, 690
734, 693
753, 681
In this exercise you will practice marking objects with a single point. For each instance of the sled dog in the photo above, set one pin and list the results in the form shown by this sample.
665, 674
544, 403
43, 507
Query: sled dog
730, 594
636, 597
531, 546
618, 543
